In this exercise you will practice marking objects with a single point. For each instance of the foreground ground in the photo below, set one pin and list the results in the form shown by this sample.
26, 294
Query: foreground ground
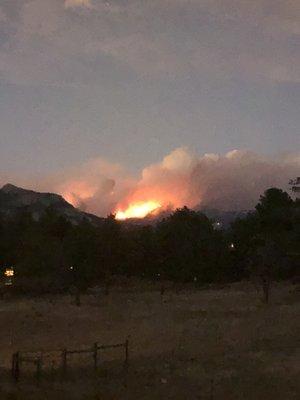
213, 343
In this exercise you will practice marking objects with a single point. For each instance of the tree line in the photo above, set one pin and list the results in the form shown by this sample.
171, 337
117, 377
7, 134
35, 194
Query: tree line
183, 247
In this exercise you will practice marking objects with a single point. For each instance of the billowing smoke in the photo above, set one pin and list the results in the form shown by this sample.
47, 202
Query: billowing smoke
229, 182
233, 181
96, 186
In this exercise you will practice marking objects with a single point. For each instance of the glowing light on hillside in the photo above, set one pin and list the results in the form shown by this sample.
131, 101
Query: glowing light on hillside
76, 192
9, 272
138, 210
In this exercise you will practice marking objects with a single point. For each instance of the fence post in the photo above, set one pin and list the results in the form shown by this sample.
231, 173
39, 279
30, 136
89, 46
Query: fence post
212, 382
38, 368
13, 364
64, 361
52, 371
16, 366
95, 355
126, 352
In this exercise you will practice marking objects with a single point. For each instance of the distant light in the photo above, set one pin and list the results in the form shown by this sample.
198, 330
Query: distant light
217, 225
232, 246
71, 268
9, 272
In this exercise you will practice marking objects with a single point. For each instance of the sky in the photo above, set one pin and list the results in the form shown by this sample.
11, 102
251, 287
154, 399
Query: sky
129, 81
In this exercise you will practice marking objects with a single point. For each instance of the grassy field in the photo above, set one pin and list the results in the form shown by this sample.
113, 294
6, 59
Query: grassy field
213, 343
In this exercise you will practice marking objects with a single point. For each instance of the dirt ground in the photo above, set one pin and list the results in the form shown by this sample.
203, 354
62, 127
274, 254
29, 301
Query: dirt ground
213, 343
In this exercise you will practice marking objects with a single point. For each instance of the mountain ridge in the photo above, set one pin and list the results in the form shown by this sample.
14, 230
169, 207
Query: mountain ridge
14, 200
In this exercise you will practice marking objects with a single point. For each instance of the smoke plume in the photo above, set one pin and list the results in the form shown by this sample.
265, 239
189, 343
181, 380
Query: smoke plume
233, 181
229, 182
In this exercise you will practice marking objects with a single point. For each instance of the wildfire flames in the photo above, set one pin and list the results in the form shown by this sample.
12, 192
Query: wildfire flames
138, 210
181, 178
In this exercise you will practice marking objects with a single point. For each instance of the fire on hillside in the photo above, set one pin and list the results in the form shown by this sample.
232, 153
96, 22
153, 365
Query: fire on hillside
139, 210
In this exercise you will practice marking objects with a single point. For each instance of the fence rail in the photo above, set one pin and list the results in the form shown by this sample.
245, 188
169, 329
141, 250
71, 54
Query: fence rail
36, 358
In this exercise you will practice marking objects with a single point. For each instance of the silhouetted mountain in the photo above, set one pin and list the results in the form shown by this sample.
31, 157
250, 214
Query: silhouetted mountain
14, 200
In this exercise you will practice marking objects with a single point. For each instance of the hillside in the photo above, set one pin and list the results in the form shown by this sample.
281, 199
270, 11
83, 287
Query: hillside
14, 200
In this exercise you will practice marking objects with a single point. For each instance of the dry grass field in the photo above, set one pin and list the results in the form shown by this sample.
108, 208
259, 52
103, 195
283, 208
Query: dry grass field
213, 343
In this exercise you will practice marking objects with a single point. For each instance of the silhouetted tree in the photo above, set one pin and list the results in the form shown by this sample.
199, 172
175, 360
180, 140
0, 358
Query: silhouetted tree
188, 246
182, 247
265, 263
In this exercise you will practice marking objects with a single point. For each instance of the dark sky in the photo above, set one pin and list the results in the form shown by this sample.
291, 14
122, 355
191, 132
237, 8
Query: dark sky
130, 80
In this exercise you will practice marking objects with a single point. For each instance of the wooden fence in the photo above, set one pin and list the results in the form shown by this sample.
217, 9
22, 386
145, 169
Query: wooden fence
36, 358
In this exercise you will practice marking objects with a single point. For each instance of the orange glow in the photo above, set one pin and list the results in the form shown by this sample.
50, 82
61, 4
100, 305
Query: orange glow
75, 192
9, 272
138, 210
